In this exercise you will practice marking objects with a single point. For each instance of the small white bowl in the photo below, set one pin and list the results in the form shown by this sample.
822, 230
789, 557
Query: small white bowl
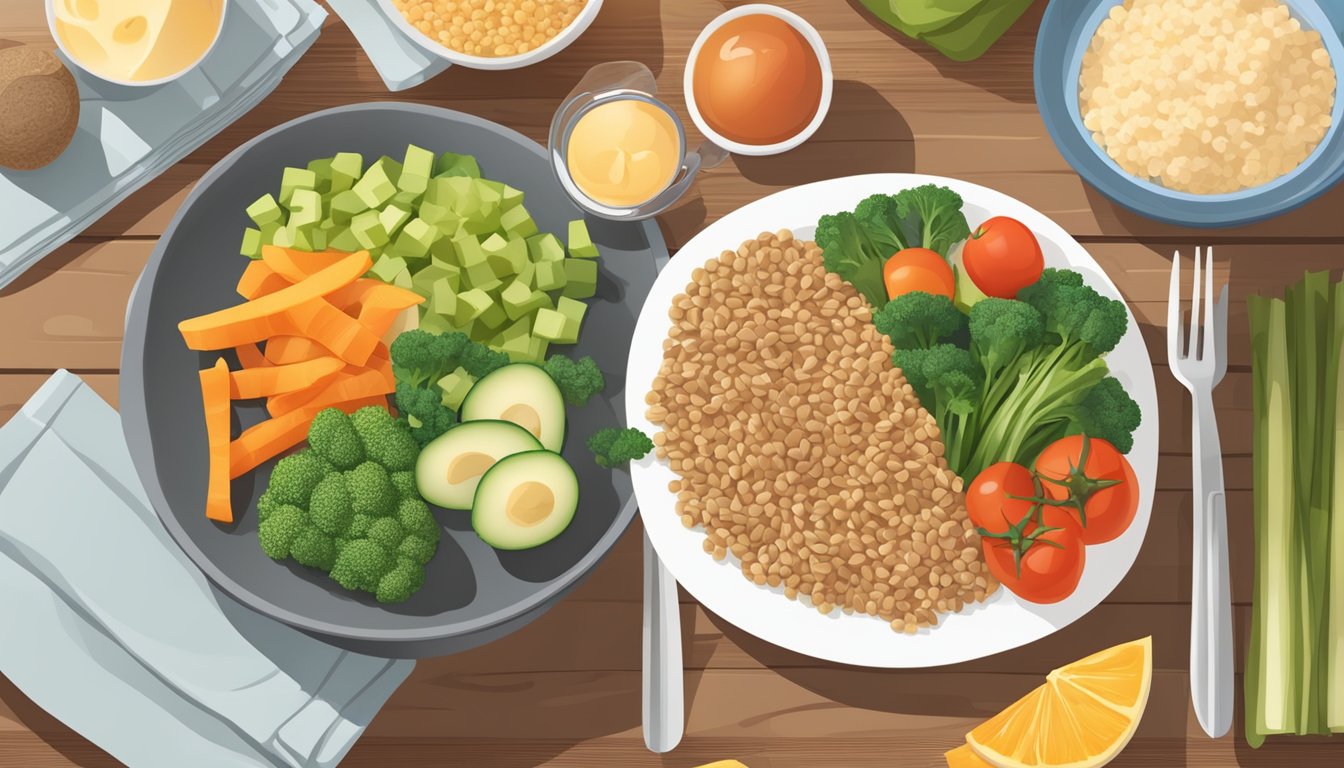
544, 51
809, 34
60, 44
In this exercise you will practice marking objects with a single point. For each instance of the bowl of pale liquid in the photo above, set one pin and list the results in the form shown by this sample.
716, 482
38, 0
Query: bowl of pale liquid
136, 42
619, 151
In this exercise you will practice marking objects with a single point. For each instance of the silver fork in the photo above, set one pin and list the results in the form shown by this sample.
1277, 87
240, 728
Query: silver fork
1200, 366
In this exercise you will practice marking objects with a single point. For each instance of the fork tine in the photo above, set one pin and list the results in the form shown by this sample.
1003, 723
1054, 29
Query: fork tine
1220, 332
1174, 351
1210, 332
1192, 349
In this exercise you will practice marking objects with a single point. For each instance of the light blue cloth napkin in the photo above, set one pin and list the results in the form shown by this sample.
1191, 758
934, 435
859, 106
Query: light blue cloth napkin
127, 136
399, 60
108, 626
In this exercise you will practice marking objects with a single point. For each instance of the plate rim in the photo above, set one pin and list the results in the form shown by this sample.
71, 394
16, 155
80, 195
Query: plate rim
698, 579
135, 417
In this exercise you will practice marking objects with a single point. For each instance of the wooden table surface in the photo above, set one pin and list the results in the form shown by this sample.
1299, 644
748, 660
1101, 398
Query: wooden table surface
566, 689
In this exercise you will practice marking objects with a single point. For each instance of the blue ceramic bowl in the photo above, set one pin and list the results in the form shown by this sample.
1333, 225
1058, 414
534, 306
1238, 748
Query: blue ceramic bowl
1066, 30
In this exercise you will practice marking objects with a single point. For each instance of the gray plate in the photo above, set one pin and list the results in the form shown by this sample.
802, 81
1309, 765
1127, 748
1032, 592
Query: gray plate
473, 593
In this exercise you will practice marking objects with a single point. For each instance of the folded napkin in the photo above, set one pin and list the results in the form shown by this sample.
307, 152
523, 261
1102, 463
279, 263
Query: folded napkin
127, 135
112, 630
400, 61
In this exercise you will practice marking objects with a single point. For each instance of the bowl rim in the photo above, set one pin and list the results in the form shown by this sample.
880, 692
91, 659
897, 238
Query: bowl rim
1064, 36
135, 420
542, 52
50, 6
809, 33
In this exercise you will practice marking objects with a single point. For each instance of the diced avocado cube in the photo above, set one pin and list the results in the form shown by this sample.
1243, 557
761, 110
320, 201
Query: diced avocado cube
265, 211
344, 239
580, 243
580, 278
455, 387
528, 274
518, 222
305, 207
493, 317
284, 237
449, 164
390, 167
403, 279
478, 331
479, 274
317, 238
506, 256
492, 286
434, 323
469, 252
545, 247
443, 252
553, 326
550, 275
368, 230
251, 247
519, 300
416, 238
510, 197
346, 168
407, 200
443, 298
434, 212
424, 279
536, 350
268, 232
387, 268
573, 312
490, 193
321, 168
516, 348
296, 178
457, 192
471, 304
416, 169
374, 187
483, 221
520, 327
344, 206
392, 218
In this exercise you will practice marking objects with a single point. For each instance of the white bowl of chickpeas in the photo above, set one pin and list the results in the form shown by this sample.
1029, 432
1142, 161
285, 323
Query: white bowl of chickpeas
492, 34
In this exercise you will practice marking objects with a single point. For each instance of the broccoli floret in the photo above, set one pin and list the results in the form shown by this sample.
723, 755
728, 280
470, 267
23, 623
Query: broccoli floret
480, 360
937, 211
386, 440
848, 251
1088, 324
425, 414
1109, 413
884, 222
1002, 330
947, 381
923, 368
371, 491
398, 584
386, 532
417, 520
279, 530
613, 446
919, 320
330, 508
361, 565
294, 478
417, 549
266, 505
404, 484
421, 358
359, 526
578, 380
332, 437
314, 548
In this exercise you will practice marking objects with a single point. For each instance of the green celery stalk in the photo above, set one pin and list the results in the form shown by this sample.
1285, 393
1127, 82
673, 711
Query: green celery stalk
1334, 644
1271, 678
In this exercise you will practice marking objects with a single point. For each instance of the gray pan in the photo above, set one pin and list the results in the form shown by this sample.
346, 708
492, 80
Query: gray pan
473, 593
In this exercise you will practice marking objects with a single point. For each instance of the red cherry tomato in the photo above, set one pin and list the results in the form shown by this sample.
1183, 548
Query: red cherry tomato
918, 269
1002, 257
996, 500
1049, 568
1099, 480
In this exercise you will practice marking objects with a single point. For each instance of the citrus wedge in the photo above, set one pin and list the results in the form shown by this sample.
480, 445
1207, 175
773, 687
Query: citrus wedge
1084, 714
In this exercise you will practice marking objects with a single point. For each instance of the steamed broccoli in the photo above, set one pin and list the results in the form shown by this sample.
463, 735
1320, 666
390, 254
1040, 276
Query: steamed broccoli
849, 251
419, 360
919, 319
935, 215
882, 219
364, 524
578, 380
613, 447
947, 381
1108, 412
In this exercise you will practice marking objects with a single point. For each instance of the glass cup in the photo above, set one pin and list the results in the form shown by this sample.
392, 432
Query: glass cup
613, 81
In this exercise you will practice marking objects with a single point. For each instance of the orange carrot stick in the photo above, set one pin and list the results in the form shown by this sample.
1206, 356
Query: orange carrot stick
215, 399
250, 357
279, 379
297, 266
258, 280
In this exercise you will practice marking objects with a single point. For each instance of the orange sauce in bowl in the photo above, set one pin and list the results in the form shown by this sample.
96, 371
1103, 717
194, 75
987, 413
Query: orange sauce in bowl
757, 80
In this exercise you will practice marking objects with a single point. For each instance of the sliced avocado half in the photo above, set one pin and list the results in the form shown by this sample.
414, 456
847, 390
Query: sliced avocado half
525, 500
449, 468
523, 394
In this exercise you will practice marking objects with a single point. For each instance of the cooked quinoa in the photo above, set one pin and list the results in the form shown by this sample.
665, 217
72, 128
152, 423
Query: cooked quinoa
801, 449
1206, 96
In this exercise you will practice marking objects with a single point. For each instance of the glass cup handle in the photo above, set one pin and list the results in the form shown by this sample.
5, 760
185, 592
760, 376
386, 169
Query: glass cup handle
704, 157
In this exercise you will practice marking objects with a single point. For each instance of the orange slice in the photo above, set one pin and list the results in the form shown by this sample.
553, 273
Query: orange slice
963, 757
1084, 714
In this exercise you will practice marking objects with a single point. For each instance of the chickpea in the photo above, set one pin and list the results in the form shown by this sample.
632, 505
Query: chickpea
490, 27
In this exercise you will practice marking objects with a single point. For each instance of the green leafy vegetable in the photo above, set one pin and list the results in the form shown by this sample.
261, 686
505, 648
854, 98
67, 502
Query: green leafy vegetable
613, 446
352, 524
578, 380
961, 29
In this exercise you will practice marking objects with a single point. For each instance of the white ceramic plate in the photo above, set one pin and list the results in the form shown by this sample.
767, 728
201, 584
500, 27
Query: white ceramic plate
1001, 623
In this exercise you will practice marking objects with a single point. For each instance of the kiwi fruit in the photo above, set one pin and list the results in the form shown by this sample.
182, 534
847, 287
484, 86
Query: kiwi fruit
39, 107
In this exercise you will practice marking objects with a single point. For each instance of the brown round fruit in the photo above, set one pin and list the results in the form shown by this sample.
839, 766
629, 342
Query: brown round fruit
39, 107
